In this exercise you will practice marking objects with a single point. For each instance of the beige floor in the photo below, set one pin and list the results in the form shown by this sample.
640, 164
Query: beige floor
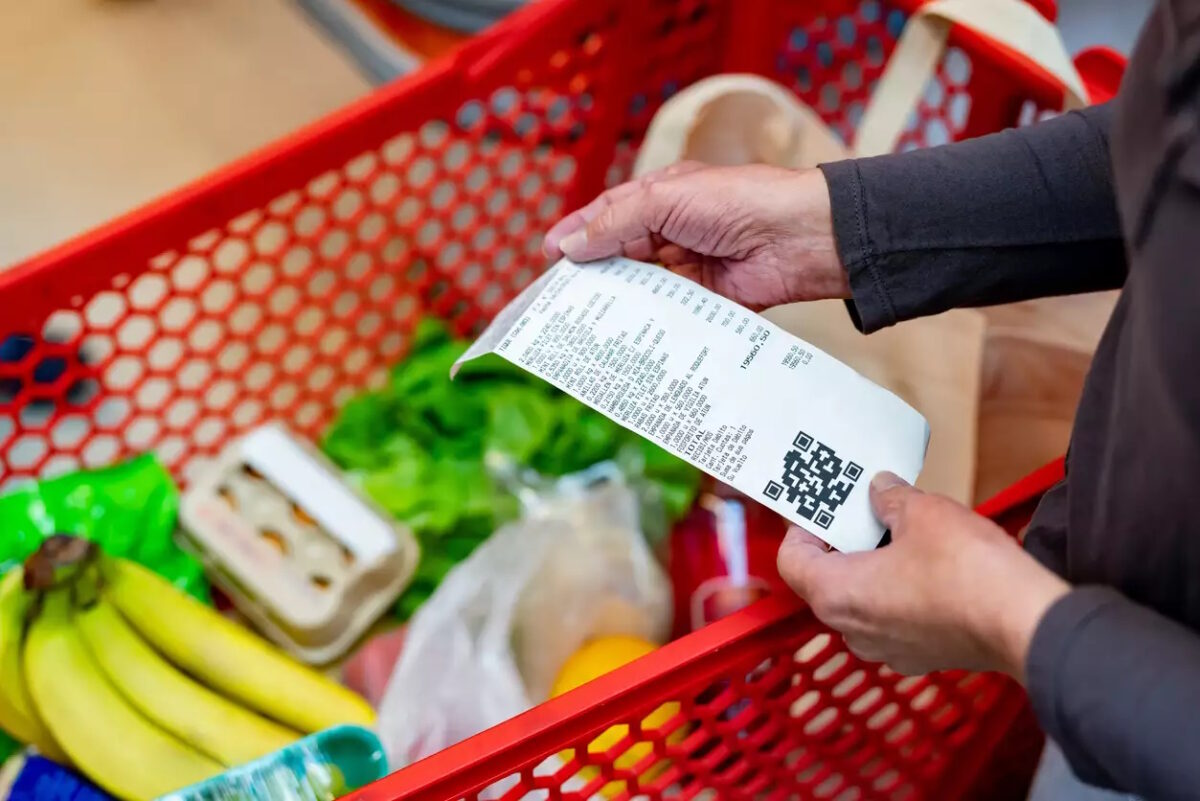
105, 104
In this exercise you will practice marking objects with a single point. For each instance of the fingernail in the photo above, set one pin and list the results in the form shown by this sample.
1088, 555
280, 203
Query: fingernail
885, 481
797, 537
574, 245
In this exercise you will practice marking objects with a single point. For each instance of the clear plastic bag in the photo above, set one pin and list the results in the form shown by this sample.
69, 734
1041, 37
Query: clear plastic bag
491, 640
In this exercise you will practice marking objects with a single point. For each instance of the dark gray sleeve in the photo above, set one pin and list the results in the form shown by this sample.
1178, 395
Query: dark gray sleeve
1019, 214
1117, 686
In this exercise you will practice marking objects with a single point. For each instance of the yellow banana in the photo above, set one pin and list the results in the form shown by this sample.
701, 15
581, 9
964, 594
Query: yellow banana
228, 657
105, 737
209, 722
17, 715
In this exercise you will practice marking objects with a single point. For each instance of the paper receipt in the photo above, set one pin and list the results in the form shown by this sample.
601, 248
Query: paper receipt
717, 385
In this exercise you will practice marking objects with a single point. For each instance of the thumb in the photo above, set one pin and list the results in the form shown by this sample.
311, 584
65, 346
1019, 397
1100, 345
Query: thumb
890, 499
800, 558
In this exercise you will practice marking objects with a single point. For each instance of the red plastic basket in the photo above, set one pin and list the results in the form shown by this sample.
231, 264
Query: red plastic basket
281, 285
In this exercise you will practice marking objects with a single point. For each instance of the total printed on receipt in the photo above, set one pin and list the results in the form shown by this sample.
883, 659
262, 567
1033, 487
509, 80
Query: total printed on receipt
717, 385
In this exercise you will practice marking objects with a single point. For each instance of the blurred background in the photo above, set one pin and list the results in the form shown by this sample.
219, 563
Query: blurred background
109, 103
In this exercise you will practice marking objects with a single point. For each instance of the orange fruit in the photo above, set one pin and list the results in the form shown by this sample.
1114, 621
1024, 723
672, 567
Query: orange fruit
593, 660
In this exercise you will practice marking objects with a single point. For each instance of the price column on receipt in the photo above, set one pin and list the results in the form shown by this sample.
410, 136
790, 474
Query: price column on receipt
717, 385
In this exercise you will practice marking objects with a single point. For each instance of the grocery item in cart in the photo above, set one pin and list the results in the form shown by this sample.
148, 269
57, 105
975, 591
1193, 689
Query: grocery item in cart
142, 688
29, 777
321, 767
8, 746
737, 119
129, 509
491, 641
18, 717
721, 557
309, 558
369, 667
718, 386
98, 727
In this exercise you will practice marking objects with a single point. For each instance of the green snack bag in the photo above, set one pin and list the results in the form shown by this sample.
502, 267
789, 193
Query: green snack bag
8, 746
128, 509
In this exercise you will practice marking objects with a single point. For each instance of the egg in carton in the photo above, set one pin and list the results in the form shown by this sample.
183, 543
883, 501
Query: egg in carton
307, 558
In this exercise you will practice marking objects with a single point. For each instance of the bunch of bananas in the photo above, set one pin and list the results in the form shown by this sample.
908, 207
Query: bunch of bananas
106, 666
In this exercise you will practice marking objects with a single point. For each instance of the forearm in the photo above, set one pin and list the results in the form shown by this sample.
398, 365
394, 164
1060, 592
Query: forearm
1019, 214
1118, 688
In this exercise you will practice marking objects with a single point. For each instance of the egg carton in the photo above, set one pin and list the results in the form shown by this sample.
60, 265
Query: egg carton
307, 558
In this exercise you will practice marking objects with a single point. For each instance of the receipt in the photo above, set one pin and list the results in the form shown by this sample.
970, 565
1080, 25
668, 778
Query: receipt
717, 385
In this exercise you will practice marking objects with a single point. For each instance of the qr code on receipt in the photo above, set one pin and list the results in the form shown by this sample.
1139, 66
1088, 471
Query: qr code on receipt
815, 479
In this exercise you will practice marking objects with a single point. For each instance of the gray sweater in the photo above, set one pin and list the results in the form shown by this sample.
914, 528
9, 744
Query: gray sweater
1100, 199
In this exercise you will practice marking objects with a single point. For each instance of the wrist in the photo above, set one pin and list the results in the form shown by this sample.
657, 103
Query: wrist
830, 277
1026, 603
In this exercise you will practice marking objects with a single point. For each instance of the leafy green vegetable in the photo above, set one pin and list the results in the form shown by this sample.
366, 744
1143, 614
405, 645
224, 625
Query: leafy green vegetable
418, 447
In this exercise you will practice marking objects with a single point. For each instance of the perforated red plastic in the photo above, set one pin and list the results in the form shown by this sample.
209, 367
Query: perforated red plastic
281, 285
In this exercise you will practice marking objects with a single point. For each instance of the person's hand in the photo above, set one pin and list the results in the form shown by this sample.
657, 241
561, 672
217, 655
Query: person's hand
759, 235
951, 591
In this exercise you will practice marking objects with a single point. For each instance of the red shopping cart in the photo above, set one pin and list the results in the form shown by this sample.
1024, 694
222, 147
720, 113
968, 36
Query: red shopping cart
282, 284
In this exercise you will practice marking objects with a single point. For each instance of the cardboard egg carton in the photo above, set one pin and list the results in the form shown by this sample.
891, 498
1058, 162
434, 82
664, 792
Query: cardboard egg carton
308, 559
